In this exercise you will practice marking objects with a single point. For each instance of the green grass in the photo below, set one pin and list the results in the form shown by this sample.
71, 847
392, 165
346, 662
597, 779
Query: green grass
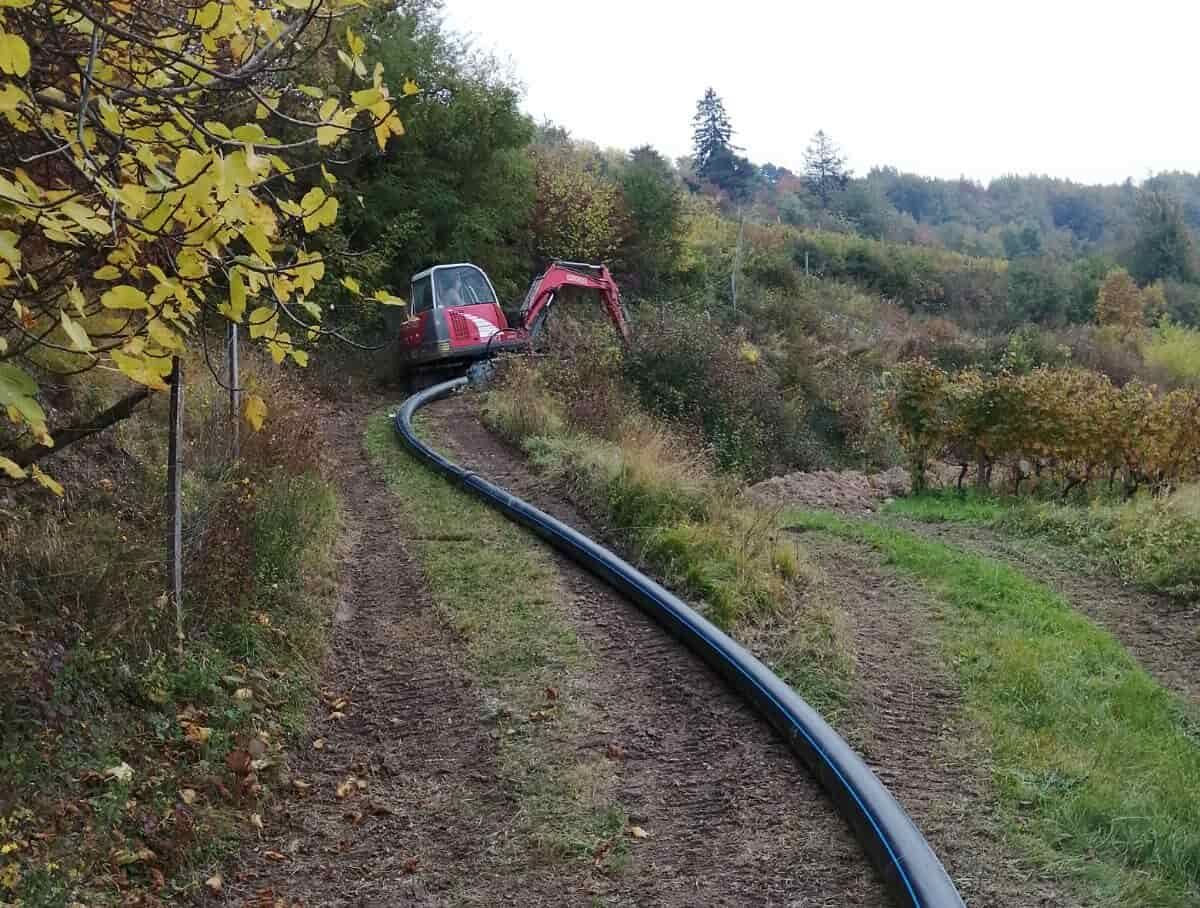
1154, 543
501, 592
1097, 765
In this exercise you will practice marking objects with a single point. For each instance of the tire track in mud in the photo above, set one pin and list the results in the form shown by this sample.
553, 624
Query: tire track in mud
733, 818
428, 827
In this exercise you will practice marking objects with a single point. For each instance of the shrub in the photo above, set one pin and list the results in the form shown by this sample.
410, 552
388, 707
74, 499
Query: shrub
696, 374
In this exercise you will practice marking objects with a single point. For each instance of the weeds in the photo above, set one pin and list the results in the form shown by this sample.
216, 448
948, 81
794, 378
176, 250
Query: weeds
91, 680
1154, 542
668, 509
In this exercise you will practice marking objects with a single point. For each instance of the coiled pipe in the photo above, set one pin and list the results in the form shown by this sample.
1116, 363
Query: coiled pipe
912, 872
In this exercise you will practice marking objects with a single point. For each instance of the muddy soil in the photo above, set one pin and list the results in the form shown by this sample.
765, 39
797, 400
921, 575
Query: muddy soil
905, 717
733, 818
1161, 633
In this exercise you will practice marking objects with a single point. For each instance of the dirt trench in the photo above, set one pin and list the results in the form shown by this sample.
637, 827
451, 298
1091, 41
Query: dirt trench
732, 818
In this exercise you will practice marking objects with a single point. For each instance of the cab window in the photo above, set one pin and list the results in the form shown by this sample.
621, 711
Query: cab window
422, 296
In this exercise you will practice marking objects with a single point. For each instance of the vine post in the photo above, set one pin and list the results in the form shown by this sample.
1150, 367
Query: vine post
174, 503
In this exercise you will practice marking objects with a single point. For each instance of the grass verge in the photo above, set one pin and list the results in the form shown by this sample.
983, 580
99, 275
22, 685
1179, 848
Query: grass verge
1153, 542
668, 511
1098, 766
500, 592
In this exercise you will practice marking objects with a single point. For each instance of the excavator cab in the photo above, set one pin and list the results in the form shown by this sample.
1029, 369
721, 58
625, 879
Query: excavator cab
456, 318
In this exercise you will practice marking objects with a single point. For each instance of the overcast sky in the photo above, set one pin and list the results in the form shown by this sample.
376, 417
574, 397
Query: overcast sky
1093, 91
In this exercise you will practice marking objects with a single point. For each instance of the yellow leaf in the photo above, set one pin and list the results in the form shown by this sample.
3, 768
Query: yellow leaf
311, 90
207, 15
14, 54
123, 297
355, 43
382, 296
319, 210
11, 97
10, 469
255, 412
638, 833
139, 369
329, 178
8, 249
258, 242
189, 164
264, 322
197, 734
366, 97
47, 483
410, 87
79, 338
188, 795
108, 273
162, 335
352, 285
301, 358
237, 295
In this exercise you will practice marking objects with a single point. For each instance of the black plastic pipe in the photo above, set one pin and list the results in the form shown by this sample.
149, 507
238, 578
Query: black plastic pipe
911, 870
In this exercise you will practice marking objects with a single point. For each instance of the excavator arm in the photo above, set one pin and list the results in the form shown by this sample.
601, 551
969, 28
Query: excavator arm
560, 275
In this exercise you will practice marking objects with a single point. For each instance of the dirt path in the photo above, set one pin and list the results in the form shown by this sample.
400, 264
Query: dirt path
423, 829
733, 818
905, 717
1161, 634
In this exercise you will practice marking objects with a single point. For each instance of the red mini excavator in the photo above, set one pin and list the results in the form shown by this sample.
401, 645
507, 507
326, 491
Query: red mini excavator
455, 318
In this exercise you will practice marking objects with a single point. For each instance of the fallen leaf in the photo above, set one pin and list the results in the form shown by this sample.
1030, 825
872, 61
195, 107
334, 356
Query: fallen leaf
334, 716
551, 694
197, 734
157, 880
122, 772
638, 833
214, 884
345, 788
300, 785
615, 751
318, 744
126, 856
275, 856
243, 693
188, 795
238, 761
256, 821
411, 865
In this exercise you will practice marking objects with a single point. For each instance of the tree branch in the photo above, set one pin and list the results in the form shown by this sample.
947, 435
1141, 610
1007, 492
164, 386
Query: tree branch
68, 435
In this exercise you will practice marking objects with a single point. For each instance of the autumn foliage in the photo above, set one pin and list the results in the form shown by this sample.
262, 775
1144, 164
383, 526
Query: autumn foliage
161, 169
1069, 425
